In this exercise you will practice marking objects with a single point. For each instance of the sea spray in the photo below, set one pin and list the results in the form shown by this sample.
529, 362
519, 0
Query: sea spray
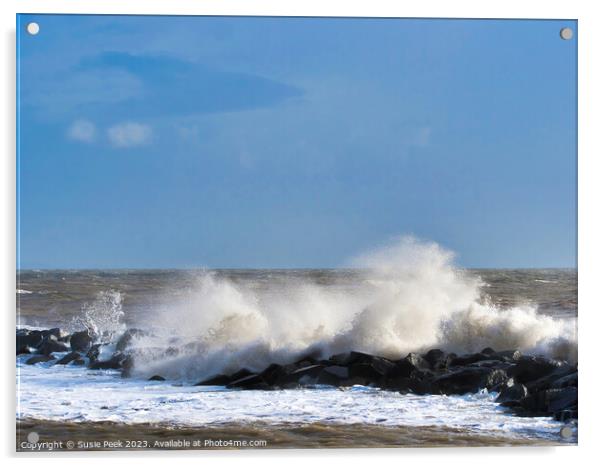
407, 296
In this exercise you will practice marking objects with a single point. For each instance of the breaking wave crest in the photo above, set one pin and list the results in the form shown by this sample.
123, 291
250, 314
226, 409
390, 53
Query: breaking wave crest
408, 296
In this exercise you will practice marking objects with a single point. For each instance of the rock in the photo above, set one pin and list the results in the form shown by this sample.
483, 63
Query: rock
93, 353
27, 339
341, 359
411, 363
467, 359
50, 344
305, 375
253, 381
157, 378
69, 357
531, 368
275, 372
126, 339
412, 384
23, 350
220, 380
117, 361
469, 380
78, 362
438, 360
241, 374
569, 380
512, 392
492, 364
81, 341
333, 375
547, 381
488, 351
40, 358
551, 401
54, 332
510, 356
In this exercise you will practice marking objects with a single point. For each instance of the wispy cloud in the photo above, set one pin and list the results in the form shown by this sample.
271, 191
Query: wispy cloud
82, 131
129, 134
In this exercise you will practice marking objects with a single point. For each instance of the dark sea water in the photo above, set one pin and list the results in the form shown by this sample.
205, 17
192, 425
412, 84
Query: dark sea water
53, 297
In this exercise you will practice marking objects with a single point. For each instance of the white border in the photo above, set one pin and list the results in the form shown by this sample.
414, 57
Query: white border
590, 196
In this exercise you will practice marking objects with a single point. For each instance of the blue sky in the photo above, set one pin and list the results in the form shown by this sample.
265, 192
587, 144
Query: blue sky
281, 142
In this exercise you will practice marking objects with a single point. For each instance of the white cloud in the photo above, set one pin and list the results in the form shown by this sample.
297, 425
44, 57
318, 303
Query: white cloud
82, 130
129, 134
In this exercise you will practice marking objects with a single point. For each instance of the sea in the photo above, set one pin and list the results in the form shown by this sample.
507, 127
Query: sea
223, 320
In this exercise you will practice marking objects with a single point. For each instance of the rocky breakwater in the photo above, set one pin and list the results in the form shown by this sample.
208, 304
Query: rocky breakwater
529, 385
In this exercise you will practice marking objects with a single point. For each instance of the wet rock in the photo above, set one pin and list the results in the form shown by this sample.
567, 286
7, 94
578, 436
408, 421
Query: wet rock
531, 368
27, 339
69, 358
78, 362
117, 361
469, 380
253, 381
305, 375
275, 374
411, 363
512, 391
81, 341
569, 380
128, 336
558, 374
53, 332
241, 374
50, 344
93, 353
156, 378
220, 380
467, 359
438, 360
40, 358
551, 401
334, 375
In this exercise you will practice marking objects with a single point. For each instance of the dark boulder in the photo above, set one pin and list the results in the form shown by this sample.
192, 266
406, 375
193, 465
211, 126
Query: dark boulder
40, 358
530, 368
156, 378
54, 332
438, 360
250, 382
116, 361
512, 392
220, 380
468, 380
569, 380
467, 359
551, 401
93, 353
50, 344
334, 375
241, 374
27, 339
78, 362
549, 380
69, 357
128, 336
307, 375
81, 341
416, 383
411, 363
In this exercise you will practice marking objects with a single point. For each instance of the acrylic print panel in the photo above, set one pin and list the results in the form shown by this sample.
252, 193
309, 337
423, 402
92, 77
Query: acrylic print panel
263, 232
